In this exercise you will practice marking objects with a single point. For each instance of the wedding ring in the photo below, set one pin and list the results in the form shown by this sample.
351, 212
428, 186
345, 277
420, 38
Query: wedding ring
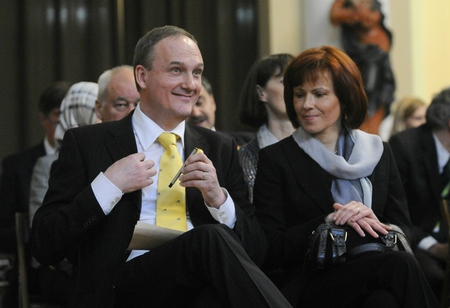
357, 210
203, 177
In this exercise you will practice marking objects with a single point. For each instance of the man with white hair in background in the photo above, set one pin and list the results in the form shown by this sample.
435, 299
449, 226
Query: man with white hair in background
117, 93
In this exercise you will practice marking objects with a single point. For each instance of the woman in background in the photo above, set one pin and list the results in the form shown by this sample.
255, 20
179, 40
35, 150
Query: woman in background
262, 106
410, 112
405, 113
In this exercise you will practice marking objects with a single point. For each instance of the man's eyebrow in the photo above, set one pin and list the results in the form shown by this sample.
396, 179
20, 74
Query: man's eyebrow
199, 65
121, 98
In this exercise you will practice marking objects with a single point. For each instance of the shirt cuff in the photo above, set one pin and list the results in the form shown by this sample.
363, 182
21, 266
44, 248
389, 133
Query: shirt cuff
106, 193
226, 214
427, 242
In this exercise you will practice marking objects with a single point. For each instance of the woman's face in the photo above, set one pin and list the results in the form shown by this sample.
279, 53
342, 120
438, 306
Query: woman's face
272, 95
417, 118
318, 108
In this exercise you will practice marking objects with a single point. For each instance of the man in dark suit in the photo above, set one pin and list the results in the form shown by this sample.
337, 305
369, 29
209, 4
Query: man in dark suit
15, 182
422, 154
105, 179
18, 167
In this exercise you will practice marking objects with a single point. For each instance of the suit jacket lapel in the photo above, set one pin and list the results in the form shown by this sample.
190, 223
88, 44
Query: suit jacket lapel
120, 142
429, 155
193, 139
309, 175
120, 139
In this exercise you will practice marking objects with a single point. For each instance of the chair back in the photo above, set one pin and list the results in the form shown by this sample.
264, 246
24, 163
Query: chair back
22, 231
445, 212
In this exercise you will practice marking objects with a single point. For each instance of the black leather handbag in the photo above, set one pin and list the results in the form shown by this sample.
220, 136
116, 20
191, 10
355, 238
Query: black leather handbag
331, 245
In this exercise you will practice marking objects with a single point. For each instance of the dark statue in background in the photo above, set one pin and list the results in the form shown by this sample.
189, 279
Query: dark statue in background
367, 41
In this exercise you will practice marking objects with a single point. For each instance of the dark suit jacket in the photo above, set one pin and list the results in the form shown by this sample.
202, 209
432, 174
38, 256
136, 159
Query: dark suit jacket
15, 190
292, 195
415, 152
240, 138
70, 223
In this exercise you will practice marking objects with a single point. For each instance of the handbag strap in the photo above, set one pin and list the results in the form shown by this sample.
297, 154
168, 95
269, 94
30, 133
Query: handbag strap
369, 247
402, 238
322, 247
339, 237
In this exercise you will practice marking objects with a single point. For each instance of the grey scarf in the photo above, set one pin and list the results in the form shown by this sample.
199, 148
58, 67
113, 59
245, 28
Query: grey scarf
357, 155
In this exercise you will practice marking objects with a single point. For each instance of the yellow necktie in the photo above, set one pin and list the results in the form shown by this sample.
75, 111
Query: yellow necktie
170, 202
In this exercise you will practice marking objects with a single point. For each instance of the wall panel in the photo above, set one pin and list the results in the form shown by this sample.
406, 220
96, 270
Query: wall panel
76, 40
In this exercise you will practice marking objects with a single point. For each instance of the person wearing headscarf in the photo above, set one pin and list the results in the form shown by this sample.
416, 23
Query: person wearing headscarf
77, 109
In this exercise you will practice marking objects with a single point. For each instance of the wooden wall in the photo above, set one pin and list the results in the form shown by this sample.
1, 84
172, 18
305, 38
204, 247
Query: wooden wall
76, 40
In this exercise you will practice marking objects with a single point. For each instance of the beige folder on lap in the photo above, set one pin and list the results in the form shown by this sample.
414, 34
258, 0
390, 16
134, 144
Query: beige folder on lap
147, 236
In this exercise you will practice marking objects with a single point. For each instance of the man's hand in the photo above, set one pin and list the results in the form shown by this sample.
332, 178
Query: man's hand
199, 172
131, 173
439, 250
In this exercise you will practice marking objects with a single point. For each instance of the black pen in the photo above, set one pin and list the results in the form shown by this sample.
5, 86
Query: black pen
194, 151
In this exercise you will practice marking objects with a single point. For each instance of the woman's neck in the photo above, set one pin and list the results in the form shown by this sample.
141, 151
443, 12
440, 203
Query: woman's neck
329, 139
280, 128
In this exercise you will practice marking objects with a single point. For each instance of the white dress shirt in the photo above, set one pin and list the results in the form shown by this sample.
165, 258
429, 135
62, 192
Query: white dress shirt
146, 132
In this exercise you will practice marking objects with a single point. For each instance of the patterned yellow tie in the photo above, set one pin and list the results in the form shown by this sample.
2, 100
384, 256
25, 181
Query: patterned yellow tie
170, 203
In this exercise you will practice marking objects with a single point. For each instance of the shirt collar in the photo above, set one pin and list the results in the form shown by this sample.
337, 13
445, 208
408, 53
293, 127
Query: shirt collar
442, 154
49, 149
148, 131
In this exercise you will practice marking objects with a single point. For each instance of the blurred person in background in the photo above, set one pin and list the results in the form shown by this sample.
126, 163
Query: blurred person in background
117, 93
15, 182
406, 112
423, 158
77, 109
204, 114
262, 106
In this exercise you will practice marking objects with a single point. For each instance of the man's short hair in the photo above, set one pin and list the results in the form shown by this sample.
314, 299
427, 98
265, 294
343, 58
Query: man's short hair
438, 113
105, 79
207, 85
144, 50
52, 96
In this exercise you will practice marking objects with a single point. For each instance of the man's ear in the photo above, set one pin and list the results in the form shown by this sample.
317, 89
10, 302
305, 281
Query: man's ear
42, 117
141, 76
98, 105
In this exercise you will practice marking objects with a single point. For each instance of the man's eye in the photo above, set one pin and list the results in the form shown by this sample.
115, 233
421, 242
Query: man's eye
121, 107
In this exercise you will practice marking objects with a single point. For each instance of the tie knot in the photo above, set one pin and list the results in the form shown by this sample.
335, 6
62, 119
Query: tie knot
167, 139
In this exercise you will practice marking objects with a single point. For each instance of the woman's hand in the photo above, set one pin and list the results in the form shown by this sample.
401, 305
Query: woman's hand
359, 217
